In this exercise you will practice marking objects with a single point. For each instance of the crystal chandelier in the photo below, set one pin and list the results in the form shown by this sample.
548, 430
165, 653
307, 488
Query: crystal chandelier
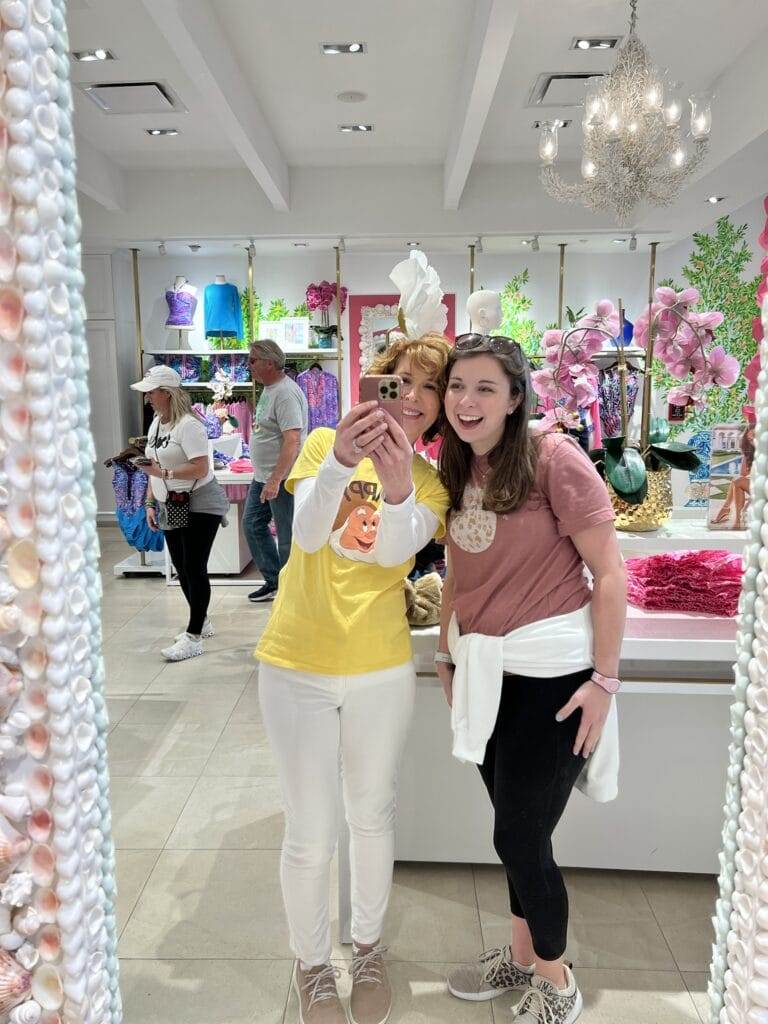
634, 147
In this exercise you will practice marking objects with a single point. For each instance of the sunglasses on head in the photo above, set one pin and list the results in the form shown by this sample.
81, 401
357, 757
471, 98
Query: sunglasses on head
496, 343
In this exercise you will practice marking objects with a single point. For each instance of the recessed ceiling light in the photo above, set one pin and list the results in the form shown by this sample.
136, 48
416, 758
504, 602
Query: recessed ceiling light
352, 96
557, 123
715, 199
156, 132
633, 243
84, 56
619, 241
194, 247
335, 49
594, 43
355, 127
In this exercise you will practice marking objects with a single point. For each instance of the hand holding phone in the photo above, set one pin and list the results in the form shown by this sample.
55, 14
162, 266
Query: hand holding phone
140, 461
387, 390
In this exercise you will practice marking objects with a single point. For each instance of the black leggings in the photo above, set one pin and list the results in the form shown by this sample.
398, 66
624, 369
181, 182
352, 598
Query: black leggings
189, 548
529, 771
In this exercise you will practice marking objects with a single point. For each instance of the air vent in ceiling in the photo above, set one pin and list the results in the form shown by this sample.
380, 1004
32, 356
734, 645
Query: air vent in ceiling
133, 98
559, 89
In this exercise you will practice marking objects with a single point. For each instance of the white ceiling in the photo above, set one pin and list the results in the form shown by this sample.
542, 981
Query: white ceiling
259, 95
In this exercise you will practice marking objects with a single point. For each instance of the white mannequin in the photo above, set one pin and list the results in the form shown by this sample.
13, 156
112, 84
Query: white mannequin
221, 279
484, 311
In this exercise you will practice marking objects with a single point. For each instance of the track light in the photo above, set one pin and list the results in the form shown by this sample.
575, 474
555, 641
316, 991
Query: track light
479, 244
633, 243
161, 249
252, 250
535, 244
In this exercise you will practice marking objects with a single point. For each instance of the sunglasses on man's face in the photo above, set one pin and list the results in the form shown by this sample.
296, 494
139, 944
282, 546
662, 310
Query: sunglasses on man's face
496, 343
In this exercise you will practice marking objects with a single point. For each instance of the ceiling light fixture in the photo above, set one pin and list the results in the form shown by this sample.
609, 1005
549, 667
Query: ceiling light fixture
714, 200
195, 247
557, 123
355, 127
85, 56
158, 132
535, 244
633, 243
351, 96
479, 244
594, 43
619, 241
633, 146
301, 245
252, 250
161, 249
413, 245
336, 49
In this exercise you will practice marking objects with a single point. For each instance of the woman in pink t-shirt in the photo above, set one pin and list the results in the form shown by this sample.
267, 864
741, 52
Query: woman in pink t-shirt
532, 687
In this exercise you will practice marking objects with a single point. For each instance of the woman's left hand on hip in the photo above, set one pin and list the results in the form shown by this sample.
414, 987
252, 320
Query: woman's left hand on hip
594, 702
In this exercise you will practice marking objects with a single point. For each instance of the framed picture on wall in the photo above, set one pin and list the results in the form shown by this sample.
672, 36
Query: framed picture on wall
274, 329
733, 450
370, 317
295, 333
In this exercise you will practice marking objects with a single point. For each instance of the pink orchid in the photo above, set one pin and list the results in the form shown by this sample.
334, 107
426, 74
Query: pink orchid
545, 383
721, 368
559, 417
687, 394
605, 318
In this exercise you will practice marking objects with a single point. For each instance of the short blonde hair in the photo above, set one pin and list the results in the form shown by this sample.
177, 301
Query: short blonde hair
430, 354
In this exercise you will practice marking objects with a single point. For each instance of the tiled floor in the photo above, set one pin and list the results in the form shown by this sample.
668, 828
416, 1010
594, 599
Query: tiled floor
198, 825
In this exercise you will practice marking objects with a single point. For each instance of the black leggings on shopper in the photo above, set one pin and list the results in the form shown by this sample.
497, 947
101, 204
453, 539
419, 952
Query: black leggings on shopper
529, 771
189, 548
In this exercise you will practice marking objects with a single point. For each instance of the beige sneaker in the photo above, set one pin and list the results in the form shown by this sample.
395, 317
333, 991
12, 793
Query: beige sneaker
319, 1001
493, 974
371, 1001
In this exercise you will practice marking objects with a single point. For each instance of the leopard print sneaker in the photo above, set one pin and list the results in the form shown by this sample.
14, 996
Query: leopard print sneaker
494, 974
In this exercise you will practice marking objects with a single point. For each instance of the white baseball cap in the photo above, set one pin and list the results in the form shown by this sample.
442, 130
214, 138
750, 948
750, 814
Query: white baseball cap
158, 377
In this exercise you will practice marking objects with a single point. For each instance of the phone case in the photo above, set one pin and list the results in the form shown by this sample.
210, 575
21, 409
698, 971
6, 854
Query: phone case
387, 391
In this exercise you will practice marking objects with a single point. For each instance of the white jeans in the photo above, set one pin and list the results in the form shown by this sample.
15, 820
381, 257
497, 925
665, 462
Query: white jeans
314, 723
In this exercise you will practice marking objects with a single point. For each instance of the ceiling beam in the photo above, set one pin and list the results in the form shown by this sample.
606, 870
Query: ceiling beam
490, 36
99, 178
195, 35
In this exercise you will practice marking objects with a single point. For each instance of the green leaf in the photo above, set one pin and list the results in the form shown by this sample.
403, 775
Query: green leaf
626, 473
659, 431
676, 455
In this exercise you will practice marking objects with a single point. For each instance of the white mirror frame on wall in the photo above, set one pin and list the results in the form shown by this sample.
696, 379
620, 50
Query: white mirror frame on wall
738, 987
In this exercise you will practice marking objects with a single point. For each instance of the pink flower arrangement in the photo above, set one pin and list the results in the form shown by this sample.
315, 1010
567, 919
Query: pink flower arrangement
321, 296
568, 382
683, 340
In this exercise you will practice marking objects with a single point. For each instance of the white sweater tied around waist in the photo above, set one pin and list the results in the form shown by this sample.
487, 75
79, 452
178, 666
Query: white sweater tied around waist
546, 649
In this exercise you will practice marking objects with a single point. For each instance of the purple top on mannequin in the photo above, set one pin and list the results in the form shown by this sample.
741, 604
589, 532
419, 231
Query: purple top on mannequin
181, 308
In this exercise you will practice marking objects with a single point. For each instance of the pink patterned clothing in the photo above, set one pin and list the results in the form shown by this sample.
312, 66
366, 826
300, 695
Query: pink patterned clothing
322, 391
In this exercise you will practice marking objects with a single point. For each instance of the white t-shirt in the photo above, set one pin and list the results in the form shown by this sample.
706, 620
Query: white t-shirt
174, 446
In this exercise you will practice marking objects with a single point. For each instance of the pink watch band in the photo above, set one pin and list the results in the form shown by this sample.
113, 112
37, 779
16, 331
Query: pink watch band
609, 684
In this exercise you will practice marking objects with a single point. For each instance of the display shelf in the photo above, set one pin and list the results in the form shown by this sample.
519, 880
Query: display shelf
200, 385
155, 564
683, 535
307, 353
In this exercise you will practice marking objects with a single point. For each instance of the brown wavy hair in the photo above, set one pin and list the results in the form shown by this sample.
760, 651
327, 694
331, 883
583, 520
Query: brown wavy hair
430, 353
513, 461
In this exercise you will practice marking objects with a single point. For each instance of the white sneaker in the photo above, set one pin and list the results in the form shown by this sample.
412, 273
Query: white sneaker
545, 1004
184, 647
207, 633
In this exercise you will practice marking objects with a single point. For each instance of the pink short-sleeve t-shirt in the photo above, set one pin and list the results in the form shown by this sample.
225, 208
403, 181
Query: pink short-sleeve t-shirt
513, 569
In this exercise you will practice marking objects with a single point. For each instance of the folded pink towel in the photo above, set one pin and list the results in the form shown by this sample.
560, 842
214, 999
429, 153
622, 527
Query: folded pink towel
687, 581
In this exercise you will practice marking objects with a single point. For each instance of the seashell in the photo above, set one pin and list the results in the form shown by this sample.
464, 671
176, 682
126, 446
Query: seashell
11, 940
29, 1012
11, 313
6, 532
58, 700
31, 610
51, 1017
27, 956
10, 618
69, 866
47, 904
42, 11
58, 300
36, 740
49, 943
78, 601
47, 988
23, 564
7, 256
33, 659
20, 466
26, 922
12, 848
41, 70
14, 807
42, 865
6, 205
39, 786
13, 13
16, 723
85, 734
81, 689
21, 515
39, 825
16, 892
81, 647
14, 982
35, 704
70, 505
46, 118
15, 419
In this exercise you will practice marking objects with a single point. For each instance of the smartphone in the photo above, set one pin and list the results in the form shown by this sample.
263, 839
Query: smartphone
387, 390
141, 460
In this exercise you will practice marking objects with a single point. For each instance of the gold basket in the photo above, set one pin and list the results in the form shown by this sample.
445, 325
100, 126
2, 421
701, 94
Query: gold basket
652, 513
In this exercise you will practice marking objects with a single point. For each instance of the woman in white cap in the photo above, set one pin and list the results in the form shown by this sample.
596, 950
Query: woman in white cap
185, 500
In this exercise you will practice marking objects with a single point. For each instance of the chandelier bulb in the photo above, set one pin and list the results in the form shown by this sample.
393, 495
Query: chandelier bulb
701, 115
548, 142
588, 168
678, 157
